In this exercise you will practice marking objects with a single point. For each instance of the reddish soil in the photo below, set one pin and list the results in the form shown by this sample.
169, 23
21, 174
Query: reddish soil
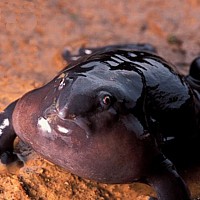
32, 37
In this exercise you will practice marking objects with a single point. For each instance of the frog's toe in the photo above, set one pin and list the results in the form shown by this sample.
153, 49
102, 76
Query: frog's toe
8, 157
66, 54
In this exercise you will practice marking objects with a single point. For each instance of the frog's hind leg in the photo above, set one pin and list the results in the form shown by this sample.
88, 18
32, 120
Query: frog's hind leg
7, 135
87, 50
166, 181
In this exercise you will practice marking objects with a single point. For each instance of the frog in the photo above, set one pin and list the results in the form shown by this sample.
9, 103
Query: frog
109, 116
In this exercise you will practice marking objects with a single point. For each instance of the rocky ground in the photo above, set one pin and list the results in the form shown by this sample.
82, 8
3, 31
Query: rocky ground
32, 37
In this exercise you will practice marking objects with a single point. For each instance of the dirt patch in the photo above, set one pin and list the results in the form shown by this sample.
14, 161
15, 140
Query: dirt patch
32, 38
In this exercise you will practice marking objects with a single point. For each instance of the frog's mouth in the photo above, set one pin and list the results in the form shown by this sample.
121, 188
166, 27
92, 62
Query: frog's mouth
58, 124
75, 122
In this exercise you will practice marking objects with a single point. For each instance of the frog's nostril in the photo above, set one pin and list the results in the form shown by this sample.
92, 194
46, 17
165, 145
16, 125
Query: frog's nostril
65, 114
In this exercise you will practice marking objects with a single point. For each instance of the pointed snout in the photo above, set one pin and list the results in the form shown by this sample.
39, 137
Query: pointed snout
64, 113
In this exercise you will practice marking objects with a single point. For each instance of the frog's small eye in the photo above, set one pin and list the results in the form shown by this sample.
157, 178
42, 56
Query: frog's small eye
106, 100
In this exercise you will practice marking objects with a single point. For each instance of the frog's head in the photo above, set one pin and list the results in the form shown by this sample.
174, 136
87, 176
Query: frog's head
97, 125
97, 100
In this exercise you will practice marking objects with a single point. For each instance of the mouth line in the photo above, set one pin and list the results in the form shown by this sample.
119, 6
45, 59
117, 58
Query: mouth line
82, 123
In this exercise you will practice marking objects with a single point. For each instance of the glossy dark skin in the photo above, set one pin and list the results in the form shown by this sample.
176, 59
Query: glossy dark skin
108, 117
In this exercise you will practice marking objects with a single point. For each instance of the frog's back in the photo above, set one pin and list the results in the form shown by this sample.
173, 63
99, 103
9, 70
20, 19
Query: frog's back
169, 110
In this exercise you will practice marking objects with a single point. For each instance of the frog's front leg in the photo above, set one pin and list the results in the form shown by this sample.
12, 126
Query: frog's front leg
7, 135
167, 182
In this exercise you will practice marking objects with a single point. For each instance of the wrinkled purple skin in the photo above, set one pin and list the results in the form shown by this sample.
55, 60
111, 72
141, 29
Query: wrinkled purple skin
109, 116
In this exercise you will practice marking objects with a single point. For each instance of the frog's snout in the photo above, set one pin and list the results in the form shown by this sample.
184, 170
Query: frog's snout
65, 114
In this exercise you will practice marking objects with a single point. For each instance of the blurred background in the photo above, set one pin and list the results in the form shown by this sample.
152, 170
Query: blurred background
33, 35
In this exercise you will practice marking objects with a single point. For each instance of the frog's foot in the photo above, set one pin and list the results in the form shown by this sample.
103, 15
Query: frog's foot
87, 51
194, 75
166, 181
7, 135
8, 157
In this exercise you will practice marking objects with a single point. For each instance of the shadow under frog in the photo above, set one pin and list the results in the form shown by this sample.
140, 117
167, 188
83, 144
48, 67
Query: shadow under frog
110, 116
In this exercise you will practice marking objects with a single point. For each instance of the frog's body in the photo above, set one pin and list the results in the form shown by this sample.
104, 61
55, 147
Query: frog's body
106, 117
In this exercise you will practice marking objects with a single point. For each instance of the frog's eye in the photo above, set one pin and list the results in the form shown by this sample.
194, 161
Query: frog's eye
105, 100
